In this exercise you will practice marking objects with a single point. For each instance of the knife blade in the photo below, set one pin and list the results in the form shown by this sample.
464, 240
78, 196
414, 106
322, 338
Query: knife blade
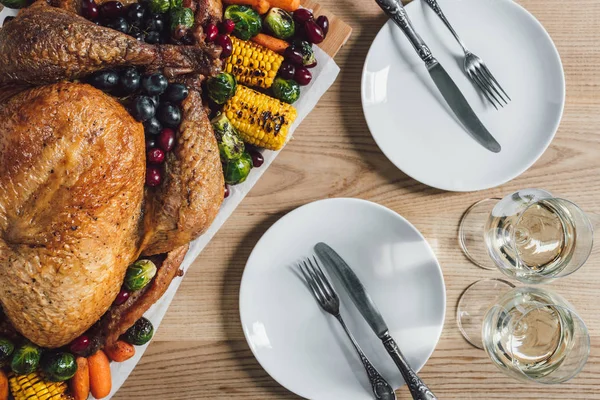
368, 309
451, 93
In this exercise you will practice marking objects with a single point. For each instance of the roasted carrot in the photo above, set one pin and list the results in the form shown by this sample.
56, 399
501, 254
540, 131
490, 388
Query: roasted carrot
287, 5
100, 379
270, 42
261, 6
120, 351
3, 386
80, 382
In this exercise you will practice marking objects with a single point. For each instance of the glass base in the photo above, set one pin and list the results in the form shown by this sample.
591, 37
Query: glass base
474, 303
471, 233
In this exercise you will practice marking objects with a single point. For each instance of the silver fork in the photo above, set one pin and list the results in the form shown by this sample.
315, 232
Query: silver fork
330, 302
474, 66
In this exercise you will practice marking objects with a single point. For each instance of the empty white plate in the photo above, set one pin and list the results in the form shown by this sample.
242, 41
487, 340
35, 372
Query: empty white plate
305, 349
416, 129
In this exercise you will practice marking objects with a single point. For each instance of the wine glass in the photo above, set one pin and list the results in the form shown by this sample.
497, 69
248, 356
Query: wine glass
529, 333
530, 235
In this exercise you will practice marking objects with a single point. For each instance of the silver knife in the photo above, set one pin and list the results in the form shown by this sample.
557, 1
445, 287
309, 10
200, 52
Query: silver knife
452, 94
369, 311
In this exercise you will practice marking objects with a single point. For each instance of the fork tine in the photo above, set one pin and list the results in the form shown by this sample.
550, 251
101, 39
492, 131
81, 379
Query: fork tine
482, 89
486, 85
489, 73
489, 82
316, 280
310, 283
324, 278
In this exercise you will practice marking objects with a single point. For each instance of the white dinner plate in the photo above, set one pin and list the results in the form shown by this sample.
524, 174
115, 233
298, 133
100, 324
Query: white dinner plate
416, 129
305, 349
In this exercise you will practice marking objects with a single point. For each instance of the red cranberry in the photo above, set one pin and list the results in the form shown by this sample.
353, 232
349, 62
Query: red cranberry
257, 158
112, 9
225, 42
293, 55
121, 297
302, 76
303, 15
156, 156
314, 33
89, 9
287, 70
226, 192
227, 26
323, 23
211, 32
166, 139
153, 175
80, 344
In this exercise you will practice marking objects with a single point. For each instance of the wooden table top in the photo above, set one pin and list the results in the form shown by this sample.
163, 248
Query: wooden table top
200, 352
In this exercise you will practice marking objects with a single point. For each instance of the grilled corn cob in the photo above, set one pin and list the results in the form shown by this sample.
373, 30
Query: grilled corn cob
261, 120
32, 387
252, 64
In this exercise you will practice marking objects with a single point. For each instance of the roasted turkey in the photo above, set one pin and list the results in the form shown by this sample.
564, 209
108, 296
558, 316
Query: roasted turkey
74, 212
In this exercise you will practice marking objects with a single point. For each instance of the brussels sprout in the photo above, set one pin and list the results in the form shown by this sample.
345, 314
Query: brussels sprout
286, 90
140, 333
221, 87
280, 23
25, 359
247, 21
139, 274
58, 366
6, 349
231, 146
308, 55
15, 3
181, 17
236, 171
162, 6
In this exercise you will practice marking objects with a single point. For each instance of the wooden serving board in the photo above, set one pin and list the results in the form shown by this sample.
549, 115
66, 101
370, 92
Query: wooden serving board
339, 31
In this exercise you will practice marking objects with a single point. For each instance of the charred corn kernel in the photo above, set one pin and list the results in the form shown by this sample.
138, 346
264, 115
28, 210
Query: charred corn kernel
261, 120
33, 387
252, 64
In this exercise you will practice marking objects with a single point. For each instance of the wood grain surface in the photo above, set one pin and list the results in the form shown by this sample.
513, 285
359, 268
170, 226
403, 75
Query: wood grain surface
200, 352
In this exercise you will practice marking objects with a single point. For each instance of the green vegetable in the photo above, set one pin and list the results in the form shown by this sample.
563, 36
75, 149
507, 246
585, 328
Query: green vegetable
181, 17
247, 21
58, 366
286, 90
140, 333
236, 171
15, 3
280, 23
162, 6
308, 55
139, 274
231, 146
221, 87
25, 359
6, 349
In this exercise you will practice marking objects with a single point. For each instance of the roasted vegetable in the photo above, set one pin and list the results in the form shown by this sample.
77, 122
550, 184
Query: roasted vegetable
159, 6
3, 385
6, 349
286, 90
79, 385
58, 366
253, 65
280, 23
15, 3
260, 120
236, 171
247, 21
221, 87
33, 387
231, 146
140, 333
271, 43
25, 359
100, 376
261, 6
305, 48
120, 351
139, 274
181, 18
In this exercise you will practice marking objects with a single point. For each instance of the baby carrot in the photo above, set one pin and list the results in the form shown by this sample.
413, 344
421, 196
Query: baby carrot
100, 379
270, 42
3, 386
80, 382
120, 351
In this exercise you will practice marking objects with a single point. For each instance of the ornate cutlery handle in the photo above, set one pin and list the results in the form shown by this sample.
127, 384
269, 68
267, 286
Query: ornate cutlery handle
417, 387
396, 12
438, 10
381, 389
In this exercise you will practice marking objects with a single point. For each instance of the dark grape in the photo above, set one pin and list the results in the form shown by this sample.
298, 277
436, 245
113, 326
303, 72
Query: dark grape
135, 14
155, 22
104, 80
119, 24
153, 175
302, 76
314, 33
89, 9
111, 9
302, 15
225, 42
152, 126
154, 84
287, 70
176, 93
293, 55
152, 37
129, 81
166, 139
323, 23
143, 108
169, 115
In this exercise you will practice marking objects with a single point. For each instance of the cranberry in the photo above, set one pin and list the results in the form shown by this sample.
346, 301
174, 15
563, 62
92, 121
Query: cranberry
293, 55
151, 143
211, 32
314, 33
323, 23
303, 15
121, 297
153, 175
302, 76
156, 156
112, 9
166, 139
80, 344
89, 9
226, 192
227, 26
287, 70
225, 42
257, 158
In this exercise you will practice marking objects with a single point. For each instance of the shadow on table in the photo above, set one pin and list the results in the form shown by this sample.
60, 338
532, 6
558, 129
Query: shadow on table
231, 322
